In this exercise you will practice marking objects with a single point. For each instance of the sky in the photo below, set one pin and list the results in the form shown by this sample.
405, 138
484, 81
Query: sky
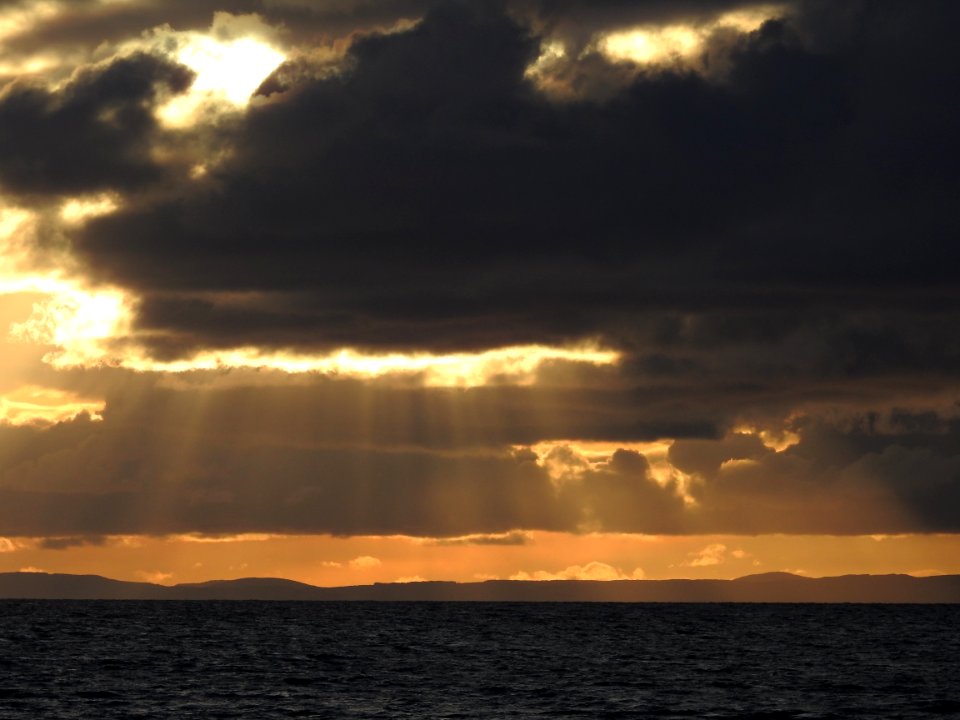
355, 291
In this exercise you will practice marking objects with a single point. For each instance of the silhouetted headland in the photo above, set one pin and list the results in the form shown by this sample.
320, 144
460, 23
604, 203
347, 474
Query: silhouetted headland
767, 587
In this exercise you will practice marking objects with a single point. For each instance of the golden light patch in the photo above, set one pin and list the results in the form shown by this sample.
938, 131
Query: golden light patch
238, 538
665, 44
77, 210
7, 545
750, 18
774, 439
779, 440
29, 66
517, 365
21, 17
738, 463
35, 404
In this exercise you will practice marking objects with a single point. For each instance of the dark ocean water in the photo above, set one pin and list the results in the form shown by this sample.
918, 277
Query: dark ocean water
74, 659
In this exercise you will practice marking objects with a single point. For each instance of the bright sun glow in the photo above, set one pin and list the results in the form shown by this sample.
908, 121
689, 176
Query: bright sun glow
227, 72
234, 69
653, 45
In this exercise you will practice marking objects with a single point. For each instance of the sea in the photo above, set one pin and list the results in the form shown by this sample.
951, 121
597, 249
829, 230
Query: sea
204, 659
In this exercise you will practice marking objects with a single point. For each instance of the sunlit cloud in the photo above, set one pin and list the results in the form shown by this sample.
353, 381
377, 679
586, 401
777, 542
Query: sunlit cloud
565, 70
517, 364
713, 554
78, 210
552, 53
239, 538
594, 570
33, 65
34, 404
7, 545
515, 537
568, 460
748, 19
365, 562
777, 439
21, 17
157, 577
648, 45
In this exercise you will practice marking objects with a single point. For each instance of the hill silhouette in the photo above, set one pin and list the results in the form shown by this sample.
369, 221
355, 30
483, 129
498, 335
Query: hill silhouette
766, 587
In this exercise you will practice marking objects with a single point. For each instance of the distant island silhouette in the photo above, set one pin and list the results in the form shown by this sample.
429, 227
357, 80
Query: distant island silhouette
766, 587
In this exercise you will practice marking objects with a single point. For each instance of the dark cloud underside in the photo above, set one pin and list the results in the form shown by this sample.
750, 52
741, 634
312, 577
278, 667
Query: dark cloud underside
93, 135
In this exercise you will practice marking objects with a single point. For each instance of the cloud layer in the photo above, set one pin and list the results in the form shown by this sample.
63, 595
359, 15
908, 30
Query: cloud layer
762, 227
220, 462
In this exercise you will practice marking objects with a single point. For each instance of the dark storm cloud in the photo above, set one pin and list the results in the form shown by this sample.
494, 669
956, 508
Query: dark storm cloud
431, 197
837, 482
65, 543
704, 457
95, 134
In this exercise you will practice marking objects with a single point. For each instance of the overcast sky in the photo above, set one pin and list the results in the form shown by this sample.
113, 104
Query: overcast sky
467, 274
